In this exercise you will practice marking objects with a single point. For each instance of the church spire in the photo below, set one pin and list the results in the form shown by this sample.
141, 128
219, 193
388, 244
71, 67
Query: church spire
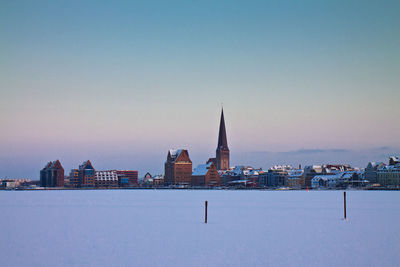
222, 141
222, 155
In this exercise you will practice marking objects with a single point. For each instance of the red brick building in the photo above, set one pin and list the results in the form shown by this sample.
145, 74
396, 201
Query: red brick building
206, 175
178, 168
86, 175
129, 175
52, 175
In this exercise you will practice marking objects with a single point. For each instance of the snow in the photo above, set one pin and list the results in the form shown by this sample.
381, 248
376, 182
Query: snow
166, 228
175, 152
201, 169
296, 173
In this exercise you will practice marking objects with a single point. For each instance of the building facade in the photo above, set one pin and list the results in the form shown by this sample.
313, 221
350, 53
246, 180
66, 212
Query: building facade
389, 176
86, 175
127, 177
106, 179
206, 175
52, 175
74, 178
370, 171
277, 176
178, 168
310, 172
8, 184
295, 178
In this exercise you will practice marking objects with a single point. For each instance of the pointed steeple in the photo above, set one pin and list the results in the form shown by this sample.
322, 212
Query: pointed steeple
222, 141
222, 153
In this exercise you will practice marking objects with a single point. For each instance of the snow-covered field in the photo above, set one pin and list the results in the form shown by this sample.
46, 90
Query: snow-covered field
166, 228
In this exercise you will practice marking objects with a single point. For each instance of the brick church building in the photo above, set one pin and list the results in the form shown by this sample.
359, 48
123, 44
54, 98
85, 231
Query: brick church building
221, 160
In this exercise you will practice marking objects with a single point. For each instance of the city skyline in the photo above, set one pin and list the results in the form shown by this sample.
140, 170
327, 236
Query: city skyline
120, 84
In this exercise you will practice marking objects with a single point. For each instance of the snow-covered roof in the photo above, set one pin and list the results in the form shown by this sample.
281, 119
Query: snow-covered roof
86, 164
202, 169
238, 181
327, 177
320, 177
296, 173
347, 175
313, 167
175, 152
281, 167
376, 164
251, 172
390, 167
333, 171
236, 171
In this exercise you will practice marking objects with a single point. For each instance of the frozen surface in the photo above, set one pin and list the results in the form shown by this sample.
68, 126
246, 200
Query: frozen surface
166, 228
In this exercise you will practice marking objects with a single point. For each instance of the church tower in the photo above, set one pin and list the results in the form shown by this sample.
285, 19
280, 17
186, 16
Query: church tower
222, 156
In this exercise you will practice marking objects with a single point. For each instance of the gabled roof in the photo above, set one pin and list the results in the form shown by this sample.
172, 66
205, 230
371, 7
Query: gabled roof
202, 169
175, 153
53, 165
375, 164
47, 166
56, 164
178, 155
85, 164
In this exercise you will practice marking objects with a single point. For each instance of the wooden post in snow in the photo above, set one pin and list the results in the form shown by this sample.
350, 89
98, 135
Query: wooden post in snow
205, 218
344, 204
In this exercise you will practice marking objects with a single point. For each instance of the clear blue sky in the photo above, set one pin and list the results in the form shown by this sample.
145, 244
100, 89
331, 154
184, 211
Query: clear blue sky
121, 82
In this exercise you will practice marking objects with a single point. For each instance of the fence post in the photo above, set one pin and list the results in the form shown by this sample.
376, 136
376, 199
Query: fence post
205, 218
344, 204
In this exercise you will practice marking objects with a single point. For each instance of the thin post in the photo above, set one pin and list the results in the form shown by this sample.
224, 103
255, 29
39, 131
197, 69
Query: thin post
344, 204
205, 218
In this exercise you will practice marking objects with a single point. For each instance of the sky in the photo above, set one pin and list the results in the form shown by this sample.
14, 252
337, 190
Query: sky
121, 82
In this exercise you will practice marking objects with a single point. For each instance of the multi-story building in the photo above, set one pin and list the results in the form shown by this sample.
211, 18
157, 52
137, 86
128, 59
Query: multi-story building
106, 179
326, 180
295, 178
232, 174
52, 175
251, 175
309, 173
389, 176
158, 180
127, 177
206, 175
370, 171
338, 179
393, 160
8, 184
178, 168
74, 178
276, 176
86, 175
